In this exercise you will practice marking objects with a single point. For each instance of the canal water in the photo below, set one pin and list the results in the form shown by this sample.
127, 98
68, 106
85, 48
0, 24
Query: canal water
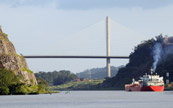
90, 99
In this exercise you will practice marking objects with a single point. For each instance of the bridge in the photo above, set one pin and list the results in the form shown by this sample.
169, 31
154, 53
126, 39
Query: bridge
107, 57
80, 57
70, 56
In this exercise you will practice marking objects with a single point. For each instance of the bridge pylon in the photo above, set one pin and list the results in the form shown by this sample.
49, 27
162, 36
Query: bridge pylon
108, 45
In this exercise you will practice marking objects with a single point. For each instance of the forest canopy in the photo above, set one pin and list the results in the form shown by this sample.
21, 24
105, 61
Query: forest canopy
55, 77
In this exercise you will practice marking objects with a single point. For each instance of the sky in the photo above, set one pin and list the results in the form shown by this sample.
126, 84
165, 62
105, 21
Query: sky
77, 27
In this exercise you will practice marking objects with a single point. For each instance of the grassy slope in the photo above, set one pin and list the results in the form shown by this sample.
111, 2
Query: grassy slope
82, 85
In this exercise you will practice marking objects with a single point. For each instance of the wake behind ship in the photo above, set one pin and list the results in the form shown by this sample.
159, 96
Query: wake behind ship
151, 82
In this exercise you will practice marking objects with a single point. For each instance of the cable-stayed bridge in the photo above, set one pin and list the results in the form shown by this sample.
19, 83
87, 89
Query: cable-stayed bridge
91, 46
107, 57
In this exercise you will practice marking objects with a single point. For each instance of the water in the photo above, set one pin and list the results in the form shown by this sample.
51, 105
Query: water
90, 99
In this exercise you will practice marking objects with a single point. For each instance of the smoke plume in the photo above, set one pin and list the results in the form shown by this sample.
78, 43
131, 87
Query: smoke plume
162, 50
157, 50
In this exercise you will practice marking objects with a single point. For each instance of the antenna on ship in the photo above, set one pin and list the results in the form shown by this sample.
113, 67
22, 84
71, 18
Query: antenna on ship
167, 78
151, 71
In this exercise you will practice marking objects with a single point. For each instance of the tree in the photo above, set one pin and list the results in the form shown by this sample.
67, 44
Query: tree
55, 77
42, 84
7, 78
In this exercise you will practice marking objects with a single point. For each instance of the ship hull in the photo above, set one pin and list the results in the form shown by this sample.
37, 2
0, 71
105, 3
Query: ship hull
145, 88
152, 88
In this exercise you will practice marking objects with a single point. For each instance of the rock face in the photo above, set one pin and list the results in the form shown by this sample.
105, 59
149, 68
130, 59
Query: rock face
14, 62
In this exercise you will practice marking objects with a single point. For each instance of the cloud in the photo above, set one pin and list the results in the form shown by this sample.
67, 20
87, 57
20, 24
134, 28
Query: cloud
19, 3
90, 4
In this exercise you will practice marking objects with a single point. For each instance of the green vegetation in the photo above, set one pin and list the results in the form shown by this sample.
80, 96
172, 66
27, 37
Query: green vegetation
81, 85
42, 85
98, 73
27, 70
55, 77
21, 56
7, 79
3, 38
11, 84
4, 34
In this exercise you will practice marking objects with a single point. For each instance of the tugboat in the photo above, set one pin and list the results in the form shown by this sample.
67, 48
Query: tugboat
151, 82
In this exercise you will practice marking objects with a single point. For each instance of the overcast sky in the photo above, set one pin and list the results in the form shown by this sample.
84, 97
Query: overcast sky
77, 27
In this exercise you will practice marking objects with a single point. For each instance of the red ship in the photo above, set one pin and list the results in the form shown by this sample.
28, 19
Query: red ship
147, 83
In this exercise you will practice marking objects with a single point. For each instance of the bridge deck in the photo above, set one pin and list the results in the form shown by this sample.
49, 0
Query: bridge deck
89, 57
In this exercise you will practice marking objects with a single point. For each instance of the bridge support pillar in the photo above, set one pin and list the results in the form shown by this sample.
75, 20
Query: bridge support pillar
109, 67
108, 45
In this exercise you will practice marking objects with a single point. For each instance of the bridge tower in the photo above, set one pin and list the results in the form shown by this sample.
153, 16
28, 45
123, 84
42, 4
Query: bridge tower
108, 45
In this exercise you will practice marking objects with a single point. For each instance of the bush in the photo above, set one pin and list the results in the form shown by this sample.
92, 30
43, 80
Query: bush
42, 85
11, 84
4, 90
7, 78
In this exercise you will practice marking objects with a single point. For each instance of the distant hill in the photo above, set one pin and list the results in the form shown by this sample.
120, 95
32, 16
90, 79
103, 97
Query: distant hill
98, 73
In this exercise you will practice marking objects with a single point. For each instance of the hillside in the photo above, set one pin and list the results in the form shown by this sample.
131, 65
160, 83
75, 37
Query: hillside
98, 73
144, 57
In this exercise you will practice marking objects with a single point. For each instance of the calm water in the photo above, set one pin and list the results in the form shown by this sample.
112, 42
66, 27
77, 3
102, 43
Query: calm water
91, 99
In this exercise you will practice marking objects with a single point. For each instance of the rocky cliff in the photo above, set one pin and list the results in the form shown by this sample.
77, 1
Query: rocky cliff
14, 62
